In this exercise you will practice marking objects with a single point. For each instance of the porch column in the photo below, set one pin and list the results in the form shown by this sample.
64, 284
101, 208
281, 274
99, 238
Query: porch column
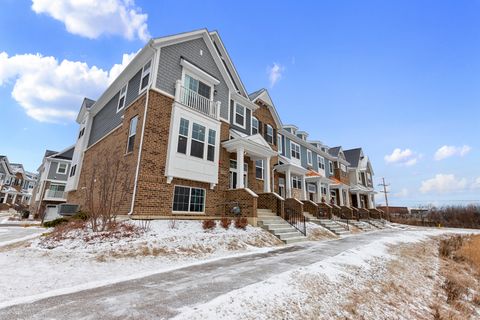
359, 204
288, 183
340, 195
14, 198
304, 187
347, 196
5, 198
319, 192
266, 178
369, 201
328, 195
240, 161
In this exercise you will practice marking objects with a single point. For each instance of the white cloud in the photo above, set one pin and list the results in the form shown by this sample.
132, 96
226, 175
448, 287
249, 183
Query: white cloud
93, 18
52, 91
449, 151
443, 183
402, 157
275, 73
476, 184
402, 193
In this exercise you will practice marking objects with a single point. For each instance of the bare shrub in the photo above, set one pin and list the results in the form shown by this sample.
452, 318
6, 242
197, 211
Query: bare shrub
449, 246
241, 223
454, 289
145, 225
208, 224
225, 222
60, 231
172, 223
106, 190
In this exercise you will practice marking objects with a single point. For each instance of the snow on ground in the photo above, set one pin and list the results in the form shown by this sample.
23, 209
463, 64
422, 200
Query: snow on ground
44, 267
336, 288
317, 232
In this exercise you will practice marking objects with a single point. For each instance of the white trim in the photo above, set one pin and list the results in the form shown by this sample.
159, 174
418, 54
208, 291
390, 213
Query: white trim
144, 74
330, 167
194, 70
309, 157
279, 143
251, 125
163, 92
58, 167
244, 125
267, 135
130, 133
124, 95
299, 151
262, 167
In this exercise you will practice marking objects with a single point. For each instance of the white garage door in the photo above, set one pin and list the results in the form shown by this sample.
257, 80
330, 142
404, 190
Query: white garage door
51, 213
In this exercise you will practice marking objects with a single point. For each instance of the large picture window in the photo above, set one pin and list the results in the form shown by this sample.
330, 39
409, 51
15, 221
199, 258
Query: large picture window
183, 136
187, 199
198, 141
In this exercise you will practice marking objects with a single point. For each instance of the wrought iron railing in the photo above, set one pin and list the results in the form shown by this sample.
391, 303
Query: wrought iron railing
296, 220
196, 101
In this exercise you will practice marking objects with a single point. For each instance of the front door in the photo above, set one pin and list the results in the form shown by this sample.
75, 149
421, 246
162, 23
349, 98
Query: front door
233, 174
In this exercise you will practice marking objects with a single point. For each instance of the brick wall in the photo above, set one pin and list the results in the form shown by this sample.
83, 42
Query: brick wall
310, 207
294, 204
271, 201
247, 203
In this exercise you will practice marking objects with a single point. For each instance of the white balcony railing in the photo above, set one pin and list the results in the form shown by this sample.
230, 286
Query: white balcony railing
55, 194
196, 101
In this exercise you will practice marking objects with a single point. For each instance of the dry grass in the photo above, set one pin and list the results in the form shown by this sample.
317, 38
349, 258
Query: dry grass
470, 251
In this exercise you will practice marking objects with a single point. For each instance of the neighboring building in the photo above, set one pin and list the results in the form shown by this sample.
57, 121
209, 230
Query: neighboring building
177, 134
399, 211
360, 175
338, 170
16, 184
50, 188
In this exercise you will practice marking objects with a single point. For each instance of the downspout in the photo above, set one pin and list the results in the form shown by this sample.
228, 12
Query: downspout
141, 138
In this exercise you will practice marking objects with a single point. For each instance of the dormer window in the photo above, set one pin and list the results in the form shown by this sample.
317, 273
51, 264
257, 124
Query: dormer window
239, 115
254, 125
145, 79
121, 99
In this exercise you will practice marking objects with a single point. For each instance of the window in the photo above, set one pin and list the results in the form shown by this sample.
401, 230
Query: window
145, 75
321, 163
280, 143
239, 115
259, 169
309, 157
295, 150
330, 167
81, 133
211, 145
131, 134
186, 199
121, 100
296, 182
324, 190
62, 168
198, 141
72, 170
269, 134
254, 125
198, 86
343, 167
183, 136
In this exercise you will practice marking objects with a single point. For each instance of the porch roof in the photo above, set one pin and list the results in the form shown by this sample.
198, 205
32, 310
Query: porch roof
361, 189
315, 176
255, 146
338, 184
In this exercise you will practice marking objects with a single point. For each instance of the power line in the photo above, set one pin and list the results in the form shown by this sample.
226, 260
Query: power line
385, 192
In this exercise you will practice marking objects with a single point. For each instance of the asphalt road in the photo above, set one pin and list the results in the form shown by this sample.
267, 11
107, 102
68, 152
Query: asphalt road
10, 233
161, 296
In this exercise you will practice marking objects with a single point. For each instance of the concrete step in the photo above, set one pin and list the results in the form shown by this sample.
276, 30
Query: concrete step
295, 240
288, 235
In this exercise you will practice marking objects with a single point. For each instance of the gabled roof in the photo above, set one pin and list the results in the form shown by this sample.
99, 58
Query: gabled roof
263, 96
353, 156
334, 151
49, 153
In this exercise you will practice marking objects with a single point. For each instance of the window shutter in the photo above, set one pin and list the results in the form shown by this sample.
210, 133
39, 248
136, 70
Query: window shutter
265, 131
275, 138
260, 127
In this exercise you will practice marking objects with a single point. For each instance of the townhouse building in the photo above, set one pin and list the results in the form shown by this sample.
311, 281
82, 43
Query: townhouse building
16, 184
186, 140
49, 191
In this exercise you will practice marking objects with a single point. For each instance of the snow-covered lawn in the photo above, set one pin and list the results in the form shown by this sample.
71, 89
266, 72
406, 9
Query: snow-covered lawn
45, 267
391, 278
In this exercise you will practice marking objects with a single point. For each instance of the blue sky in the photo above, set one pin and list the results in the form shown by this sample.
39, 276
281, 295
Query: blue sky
399, 78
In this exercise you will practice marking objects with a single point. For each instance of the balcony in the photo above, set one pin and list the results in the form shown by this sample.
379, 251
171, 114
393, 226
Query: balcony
54, 195
195, 101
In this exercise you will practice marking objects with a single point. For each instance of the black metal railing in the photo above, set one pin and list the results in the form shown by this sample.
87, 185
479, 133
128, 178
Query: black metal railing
296, 220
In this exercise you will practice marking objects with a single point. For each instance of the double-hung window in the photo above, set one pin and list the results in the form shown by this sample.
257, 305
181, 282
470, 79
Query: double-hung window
259, 169
183, 136
198, 141
321, 163
211, 145
296, 182
295, 150
309, 157
187, 199
62, 168
254, 125
121, 99
197, 86
239, 115
269, 134
145, 79
131, 134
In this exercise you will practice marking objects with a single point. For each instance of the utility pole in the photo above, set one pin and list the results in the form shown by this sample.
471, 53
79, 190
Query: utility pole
385, 192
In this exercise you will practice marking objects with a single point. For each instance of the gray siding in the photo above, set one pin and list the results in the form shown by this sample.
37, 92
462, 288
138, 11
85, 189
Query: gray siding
248, 119
133, 87
52, 173
105, 120
315, 161
288, 153
170, 70
303, 152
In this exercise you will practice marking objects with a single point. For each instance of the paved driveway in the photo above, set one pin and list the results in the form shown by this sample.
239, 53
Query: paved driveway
162, 295
9, 234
